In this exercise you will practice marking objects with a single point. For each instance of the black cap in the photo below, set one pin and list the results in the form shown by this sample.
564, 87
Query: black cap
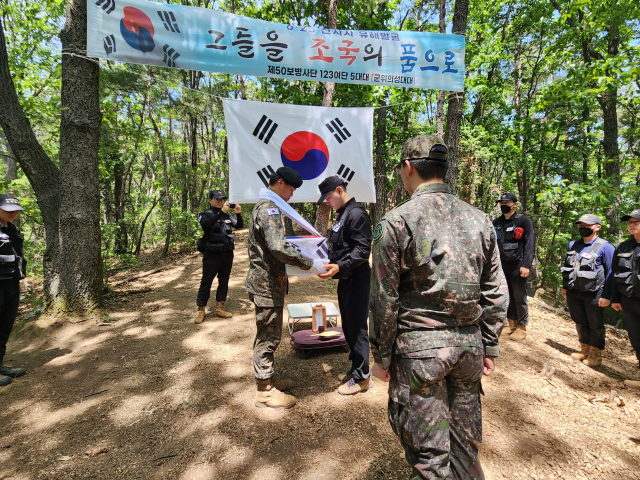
507, 196
634, 214
9, 203
589, 219
216, 194
289, 175
328, 185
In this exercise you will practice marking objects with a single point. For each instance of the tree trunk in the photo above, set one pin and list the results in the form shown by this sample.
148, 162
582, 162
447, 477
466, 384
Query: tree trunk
441, 93
456, 103
42, 173
322, 215
79, 215
144, 222
9, 160
380, 167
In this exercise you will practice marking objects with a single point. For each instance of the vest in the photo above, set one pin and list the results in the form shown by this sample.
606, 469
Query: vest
627, 272
221, 238
579, 270
511, 249
10, 261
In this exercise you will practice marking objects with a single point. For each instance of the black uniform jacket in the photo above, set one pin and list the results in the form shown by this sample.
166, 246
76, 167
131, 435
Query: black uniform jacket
211, 216
350, 239
7, 248
525, 244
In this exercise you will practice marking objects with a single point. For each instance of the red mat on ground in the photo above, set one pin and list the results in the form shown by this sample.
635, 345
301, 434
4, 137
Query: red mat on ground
306, 341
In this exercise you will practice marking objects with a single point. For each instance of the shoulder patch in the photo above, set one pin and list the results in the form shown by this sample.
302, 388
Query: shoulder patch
377, 232
273, 211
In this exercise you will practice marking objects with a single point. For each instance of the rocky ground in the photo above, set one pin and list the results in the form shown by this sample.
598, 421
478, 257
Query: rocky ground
140, 392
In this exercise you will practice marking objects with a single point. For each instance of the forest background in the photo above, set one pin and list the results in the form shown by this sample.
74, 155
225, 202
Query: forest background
113, 160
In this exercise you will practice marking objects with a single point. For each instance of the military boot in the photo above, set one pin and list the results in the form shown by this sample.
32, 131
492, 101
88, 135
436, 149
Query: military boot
200, 315
510, 328
595, 358
583, 353
632, 383
219, 312
520, 333
352, 387
269, 396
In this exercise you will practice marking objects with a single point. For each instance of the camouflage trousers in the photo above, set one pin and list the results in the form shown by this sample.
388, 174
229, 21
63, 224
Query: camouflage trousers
434, 408
268, 335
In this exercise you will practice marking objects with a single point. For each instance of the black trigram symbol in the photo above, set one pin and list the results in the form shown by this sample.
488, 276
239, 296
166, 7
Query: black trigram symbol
322, 251
169, 21
264, 174
108, 7
346, 173
170, 56
267, 130
109, 44
335, 126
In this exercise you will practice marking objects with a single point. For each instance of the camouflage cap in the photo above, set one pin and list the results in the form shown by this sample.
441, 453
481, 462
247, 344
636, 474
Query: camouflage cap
423, 147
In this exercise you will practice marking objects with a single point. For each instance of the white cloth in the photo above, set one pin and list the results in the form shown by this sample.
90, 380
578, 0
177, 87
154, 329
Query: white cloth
287, 210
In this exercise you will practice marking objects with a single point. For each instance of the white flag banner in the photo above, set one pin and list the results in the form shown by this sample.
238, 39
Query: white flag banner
316, 142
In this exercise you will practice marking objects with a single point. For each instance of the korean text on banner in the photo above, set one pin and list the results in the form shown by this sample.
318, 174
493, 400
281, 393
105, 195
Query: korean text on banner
316, 142
194, 38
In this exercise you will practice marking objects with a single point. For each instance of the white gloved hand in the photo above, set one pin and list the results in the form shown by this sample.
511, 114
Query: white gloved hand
319, 267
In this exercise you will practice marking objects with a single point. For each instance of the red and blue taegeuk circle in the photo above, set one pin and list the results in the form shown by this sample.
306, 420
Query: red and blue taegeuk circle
137, 30
306, 153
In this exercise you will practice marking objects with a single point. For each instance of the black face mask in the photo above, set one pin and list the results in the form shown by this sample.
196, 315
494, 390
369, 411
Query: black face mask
505, 208
585, 231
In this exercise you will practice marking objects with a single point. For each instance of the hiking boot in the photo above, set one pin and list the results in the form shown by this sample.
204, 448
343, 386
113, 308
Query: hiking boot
632, 383
511, 327
4, 380
269, 396
219, 312
595, 358
352, 387
583, 353
200, 315
282, 384
520, 333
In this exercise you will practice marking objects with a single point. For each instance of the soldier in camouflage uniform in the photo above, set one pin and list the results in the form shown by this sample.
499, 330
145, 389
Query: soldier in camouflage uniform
438, 303
267, 285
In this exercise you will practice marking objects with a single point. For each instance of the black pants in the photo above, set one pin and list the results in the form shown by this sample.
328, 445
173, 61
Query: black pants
631, 310
518, 309
589, 317
353, 299
9, 301
215, 264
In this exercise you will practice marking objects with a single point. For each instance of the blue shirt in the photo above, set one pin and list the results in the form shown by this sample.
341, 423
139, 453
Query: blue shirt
603, 260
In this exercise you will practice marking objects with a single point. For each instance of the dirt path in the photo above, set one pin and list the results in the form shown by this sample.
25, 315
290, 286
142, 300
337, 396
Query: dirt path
165, 387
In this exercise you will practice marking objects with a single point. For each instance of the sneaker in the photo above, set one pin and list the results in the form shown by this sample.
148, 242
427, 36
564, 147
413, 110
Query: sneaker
345, 377
352, 387
4, 380
12, 372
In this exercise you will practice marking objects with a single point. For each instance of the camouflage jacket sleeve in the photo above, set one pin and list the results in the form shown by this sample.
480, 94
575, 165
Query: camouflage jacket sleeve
494, 297
276, 241
383, 301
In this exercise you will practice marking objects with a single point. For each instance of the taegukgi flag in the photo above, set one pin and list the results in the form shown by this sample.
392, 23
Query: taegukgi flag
316, 142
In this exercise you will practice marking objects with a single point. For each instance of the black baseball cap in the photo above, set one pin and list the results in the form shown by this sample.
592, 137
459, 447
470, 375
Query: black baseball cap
216, 194
589, 219
507, 196
289, 175
328, 185
9, 203
634, 214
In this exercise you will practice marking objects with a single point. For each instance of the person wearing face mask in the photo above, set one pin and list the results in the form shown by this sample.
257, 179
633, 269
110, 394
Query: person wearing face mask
217, 245
586, 269
622, 290
13, 268
516, 244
